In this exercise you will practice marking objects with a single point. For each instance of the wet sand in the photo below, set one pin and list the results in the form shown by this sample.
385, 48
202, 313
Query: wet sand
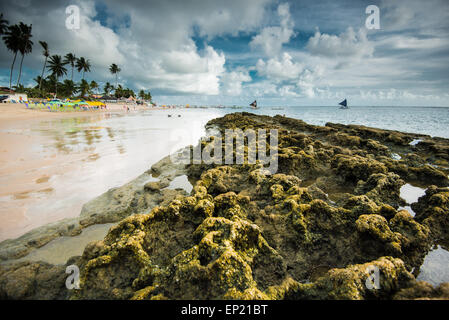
53, 163
61, 249
25, 170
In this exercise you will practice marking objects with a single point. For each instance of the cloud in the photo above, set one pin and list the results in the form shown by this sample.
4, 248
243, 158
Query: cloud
348, 44
232, 82
188, 72
232, 18
156, 49
279, 69
271, 39
97, 43
414, 15
206, 50
287, 91
309, 79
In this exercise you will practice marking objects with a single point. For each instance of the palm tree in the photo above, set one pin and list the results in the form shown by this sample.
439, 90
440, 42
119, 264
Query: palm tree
25, 44
107, 88
70, 58
69, 87
82, 64
118, 91
38, 80
19, 88
12, 40
56, 66
50, 82
93, 85
142, 94
84, 87
114, 69
3, 24
46, 54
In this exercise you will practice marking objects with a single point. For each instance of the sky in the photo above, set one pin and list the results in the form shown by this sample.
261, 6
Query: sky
282, 53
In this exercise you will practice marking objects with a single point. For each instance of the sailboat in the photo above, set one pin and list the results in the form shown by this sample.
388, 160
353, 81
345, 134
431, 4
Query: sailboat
254, 105
344, 104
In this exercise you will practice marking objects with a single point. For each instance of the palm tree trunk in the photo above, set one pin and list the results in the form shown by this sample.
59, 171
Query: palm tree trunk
71, 78
12, 67
56, 87
116, 80
20, 70
42, 75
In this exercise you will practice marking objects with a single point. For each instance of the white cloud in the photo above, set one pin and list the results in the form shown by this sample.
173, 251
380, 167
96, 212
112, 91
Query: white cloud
231, 18
155, 50
262, 88
309, 80
348, 44
187, 71
279, 69
93, 41
287, 91
271, 39
163, 32
232, 82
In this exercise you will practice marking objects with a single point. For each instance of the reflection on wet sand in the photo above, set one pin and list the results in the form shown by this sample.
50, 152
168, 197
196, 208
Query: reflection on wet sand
51, 167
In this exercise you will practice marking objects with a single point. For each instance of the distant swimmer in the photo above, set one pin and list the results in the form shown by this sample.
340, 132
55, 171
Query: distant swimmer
169, 115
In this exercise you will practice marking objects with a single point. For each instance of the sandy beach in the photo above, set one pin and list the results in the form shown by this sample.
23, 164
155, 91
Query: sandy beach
51, 163
22, 174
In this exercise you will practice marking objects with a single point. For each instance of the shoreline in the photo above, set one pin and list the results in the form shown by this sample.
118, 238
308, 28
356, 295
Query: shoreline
25, 173
136, 195
53, 163
13, 248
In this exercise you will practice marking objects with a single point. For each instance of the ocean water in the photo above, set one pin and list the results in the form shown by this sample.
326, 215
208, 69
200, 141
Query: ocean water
433, 121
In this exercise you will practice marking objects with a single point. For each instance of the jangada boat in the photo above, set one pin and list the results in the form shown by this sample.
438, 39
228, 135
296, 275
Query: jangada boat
254, 105
344, 104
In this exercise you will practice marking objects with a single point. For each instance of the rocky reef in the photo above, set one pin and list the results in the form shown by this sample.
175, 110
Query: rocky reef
315, 229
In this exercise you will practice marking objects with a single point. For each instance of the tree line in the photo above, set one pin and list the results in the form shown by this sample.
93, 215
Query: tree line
17, 39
